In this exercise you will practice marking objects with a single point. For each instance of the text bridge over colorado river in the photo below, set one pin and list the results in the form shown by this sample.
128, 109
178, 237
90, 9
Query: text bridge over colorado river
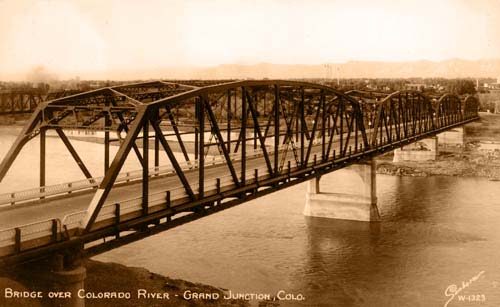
225, 142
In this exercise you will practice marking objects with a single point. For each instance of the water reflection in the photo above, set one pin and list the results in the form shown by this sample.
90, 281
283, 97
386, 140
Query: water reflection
335, 248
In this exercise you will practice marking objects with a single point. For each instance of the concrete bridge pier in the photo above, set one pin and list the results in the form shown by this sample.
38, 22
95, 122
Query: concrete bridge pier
58, 279
423, 150
357, 207
452, 138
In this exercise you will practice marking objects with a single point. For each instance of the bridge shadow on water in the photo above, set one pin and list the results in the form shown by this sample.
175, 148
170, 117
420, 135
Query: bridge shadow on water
335, 251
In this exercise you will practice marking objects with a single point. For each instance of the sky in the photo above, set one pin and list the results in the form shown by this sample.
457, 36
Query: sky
95, 37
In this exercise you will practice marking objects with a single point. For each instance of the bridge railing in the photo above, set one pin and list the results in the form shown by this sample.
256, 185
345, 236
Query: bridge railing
91, 183
44, 232
28, 236
132, 207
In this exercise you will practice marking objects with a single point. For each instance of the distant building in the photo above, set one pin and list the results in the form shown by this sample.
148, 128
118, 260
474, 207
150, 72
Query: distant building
415, 86
493, 86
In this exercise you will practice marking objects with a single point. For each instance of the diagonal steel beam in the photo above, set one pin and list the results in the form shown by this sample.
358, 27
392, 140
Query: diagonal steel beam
173, 160
109, 179
134, 145
21, 140
313, 133
215, 126
176, 131
348, 136
73, 152
333, 130
259, 133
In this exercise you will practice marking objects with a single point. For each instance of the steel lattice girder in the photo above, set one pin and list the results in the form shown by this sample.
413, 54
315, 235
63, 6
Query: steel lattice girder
344, 113
292, 115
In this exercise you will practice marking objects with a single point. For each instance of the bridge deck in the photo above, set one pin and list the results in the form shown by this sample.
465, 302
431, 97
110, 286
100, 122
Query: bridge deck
59, 207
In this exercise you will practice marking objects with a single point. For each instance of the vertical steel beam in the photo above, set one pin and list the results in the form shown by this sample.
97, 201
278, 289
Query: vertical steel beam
276, 128
341, 115
155, 115
229, 117
323, 126
107, 126
201, 146
243, 135
196, 132
157, 152
302, 124
145, 166
251, 101
42, 159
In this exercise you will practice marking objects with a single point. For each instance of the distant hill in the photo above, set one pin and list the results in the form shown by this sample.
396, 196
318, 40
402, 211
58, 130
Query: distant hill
454, 68
356, 69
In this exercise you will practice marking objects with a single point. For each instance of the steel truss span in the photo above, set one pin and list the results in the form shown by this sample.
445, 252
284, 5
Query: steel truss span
25, 101
226, 142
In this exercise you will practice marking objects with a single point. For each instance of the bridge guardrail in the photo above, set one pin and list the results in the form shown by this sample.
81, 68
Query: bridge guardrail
90, 183
44, 232
132, 205
29, 235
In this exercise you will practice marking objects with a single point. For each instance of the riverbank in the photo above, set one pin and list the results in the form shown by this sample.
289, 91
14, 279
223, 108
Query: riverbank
138, 288
116, 277
473, 160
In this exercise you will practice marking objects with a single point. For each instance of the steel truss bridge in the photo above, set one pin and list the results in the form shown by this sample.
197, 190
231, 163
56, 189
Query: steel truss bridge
226, 143
25, 101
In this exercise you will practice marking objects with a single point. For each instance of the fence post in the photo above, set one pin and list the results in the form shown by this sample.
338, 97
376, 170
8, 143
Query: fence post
54, 230
169, 205
289, 170
217, 184
117, 219
18, 240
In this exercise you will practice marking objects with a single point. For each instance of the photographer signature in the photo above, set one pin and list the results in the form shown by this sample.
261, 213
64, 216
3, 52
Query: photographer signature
453, 290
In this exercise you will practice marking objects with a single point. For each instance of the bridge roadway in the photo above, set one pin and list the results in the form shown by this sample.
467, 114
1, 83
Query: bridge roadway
58, 207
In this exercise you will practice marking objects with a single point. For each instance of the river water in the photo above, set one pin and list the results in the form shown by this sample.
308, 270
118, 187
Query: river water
436, 232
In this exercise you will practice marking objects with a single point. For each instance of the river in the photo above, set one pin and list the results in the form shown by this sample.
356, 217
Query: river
436, 232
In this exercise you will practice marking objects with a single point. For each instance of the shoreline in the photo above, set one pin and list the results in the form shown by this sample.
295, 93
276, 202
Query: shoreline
451, 167
470, 160
111, 276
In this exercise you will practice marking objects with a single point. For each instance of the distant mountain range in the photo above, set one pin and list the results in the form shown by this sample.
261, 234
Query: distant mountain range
455, 68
